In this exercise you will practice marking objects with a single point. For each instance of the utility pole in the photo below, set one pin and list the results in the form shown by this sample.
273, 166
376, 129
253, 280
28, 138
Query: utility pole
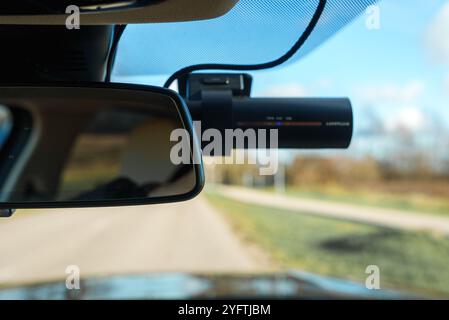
279, 178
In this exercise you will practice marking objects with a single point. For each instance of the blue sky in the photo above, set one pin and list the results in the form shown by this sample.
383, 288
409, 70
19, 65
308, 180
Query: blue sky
397, 77
254, 31
375, 67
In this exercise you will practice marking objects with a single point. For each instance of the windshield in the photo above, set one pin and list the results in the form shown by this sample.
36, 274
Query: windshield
376, 214
254, 31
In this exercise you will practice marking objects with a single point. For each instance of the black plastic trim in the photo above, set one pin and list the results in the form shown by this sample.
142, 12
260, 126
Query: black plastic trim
16, 141
118, 32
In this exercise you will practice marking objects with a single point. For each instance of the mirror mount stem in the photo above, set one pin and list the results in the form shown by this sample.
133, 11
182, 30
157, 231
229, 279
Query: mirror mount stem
7, 213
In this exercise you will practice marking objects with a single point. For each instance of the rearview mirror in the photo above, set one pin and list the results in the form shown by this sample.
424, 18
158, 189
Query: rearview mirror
94, 145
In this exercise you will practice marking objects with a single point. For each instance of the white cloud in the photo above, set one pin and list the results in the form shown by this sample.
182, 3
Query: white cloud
438, 34
437, 39
409, 119
391, 93
286, 90
399, 107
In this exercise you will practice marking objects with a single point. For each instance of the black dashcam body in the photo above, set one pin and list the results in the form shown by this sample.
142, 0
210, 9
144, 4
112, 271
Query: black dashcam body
222, 101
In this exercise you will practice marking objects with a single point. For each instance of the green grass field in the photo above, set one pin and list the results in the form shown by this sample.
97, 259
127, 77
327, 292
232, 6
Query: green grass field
411, 262
415, 202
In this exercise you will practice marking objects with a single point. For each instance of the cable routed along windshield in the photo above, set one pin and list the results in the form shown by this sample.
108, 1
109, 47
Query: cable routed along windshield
254, 31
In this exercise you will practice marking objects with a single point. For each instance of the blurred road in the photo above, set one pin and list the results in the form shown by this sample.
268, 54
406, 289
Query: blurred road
187, 237
397, 219
38, 245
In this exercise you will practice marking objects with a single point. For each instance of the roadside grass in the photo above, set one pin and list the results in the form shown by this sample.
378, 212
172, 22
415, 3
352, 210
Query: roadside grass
409, 261
415, 202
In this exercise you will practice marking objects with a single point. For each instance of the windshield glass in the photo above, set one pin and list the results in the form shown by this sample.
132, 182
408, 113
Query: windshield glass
254, 31
376, 214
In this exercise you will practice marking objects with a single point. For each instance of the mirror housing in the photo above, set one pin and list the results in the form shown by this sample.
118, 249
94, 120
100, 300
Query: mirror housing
94, 144
109, 12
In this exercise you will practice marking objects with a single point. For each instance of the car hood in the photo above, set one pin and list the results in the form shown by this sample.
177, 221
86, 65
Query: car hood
293, 284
